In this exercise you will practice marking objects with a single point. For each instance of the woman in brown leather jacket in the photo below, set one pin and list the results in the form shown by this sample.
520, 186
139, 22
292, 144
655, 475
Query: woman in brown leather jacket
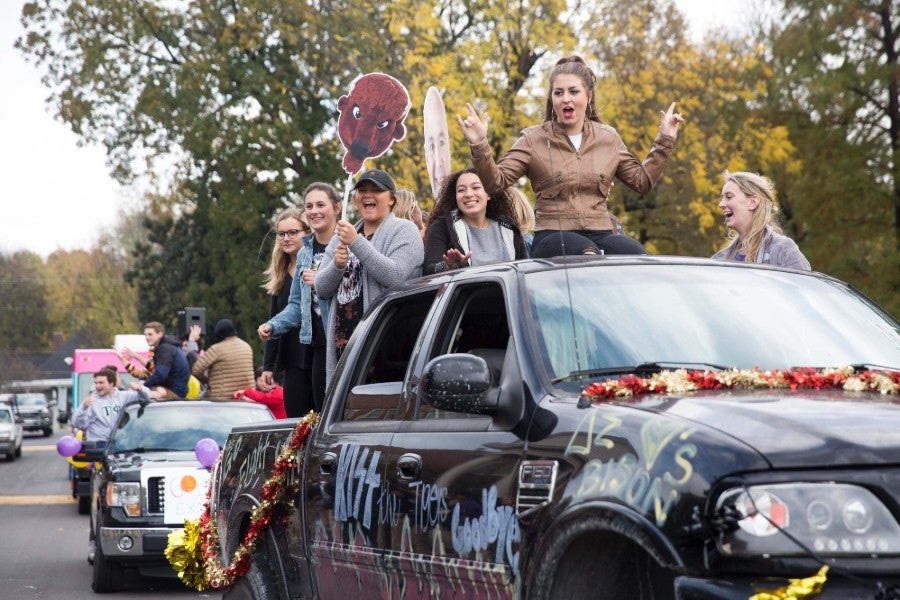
571, 160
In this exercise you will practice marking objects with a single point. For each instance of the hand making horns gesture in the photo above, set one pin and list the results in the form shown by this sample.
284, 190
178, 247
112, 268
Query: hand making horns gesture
669, 120
474, 128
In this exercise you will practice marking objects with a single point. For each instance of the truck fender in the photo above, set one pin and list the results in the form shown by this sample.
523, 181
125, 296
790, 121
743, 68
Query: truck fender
268, 544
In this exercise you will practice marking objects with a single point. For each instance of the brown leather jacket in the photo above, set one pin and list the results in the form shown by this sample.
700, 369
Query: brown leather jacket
571, 187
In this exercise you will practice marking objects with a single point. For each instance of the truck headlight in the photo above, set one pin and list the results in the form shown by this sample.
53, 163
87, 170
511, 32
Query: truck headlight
833, 519
5, 435
126, 495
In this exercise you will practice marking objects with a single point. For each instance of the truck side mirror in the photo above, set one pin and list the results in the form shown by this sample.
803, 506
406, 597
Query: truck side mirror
93, 451
457, 383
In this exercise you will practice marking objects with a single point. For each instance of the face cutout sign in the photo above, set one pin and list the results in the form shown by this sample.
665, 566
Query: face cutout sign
371, 118
437, 140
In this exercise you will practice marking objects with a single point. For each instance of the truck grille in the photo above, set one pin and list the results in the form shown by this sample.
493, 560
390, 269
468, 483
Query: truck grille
156, 496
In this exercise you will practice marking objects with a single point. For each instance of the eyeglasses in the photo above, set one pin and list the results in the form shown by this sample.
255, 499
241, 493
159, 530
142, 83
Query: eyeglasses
291, 233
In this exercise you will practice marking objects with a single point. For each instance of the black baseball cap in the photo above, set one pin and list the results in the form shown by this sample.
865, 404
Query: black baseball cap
384, 181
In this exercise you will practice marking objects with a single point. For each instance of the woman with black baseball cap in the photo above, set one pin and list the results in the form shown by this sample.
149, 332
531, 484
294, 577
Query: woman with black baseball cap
364, 260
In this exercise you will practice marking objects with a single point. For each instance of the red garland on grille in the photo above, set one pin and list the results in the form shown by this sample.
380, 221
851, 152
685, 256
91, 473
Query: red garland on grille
203, 572
681, 380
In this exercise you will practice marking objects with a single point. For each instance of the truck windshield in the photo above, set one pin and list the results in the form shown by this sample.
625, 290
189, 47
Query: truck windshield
598, 321
174, 426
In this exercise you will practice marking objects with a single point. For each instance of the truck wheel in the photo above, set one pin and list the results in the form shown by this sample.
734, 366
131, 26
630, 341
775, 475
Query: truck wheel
84, 505
602, 564
258, 584
11, 455
48, 431
19, 452
107, 575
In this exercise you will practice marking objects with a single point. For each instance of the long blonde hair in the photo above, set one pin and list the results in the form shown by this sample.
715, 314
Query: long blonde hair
521, 208
405, 203
762, 188
279, 268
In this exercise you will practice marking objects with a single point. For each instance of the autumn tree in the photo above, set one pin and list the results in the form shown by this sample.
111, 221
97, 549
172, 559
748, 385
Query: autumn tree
646, 60
88, 293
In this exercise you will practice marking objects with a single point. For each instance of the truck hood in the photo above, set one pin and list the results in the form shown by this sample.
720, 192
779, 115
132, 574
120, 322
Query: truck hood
797, 429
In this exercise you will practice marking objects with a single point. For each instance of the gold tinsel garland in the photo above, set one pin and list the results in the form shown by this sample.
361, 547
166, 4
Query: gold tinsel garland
194, 551
797, 589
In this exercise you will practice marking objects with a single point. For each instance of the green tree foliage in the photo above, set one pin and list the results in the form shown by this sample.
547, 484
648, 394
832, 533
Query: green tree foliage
837, 91
238, 102
24, 322
244, 96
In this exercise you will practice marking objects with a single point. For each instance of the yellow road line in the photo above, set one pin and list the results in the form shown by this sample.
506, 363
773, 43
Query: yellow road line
31, 500
46, 448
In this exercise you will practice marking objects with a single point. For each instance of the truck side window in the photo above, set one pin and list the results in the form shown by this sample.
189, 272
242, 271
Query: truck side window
475, 322
378, 379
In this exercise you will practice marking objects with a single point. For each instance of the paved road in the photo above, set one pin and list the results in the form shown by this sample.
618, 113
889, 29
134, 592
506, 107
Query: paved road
43, 539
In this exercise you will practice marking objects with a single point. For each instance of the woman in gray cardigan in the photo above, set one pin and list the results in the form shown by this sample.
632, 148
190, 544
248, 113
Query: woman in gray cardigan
363, 261
748, 205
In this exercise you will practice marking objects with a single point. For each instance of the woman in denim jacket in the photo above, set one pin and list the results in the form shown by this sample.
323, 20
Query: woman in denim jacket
304, 309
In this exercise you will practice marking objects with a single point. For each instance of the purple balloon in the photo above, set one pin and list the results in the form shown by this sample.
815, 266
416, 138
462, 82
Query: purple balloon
68, 446
207, 451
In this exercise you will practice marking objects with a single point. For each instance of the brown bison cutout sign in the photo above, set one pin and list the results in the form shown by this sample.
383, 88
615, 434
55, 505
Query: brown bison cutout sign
371, 118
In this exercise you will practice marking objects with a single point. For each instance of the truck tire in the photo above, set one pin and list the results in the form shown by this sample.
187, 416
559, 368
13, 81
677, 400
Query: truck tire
11, 455
48, 431
258, 584
601, 564
19, 452
107, 575
84, 505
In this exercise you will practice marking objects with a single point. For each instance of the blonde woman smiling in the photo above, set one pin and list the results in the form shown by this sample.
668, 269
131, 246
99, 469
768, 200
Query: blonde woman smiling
748, 205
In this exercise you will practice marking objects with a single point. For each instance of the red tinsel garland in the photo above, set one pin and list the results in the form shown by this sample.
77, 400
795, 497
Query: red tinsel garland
205, 571
681, 380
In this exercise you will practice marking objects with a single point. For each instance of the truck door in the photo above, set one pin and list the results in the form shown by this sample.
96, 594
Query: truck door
345, 484
451, 477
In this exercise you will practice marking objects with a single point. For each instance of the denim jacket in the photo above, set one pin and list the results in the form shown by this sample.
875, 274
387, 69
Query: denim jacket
299, 308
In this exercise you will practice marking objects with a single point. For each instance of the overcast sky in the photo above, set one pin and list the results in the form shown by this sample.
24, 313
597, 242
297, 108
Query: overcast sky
56, 194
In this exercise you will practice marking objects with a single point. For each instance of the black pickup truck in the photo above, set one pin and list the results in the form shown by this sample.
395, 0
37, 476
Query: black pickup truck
589, 428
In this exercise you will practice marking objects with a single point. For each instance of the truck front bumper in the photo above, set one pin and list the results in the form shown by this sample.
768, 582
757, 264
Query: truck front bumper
835, 587
134, 542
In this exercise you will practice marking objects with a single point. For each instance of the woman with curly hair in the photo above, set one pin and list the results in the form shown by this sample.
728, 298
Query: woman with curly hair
468, 227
